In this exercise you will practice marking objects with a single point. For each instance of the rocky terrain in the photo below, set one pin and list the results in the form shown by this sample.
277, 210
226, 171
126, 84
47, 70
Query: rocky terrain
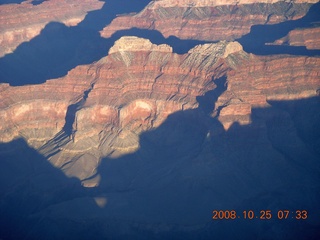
133, 139
308, 37
219, 20
131, 90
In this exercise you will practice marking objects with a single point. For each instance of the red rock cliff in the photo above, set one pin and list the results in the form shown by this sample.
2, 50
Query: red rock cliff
131, 90
136, 87
219, 20
255, 80
309, 37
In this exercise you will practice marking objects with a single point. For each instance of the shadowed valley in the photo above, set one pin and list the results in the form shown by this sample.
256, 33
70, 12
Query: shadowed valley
140, 134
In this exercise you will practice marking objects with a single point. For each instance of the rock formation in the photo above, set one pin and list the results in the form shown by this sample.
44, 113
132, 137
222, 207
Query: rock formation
308, 37
256, 80
137, 86
131, 90
144, 143
219, 20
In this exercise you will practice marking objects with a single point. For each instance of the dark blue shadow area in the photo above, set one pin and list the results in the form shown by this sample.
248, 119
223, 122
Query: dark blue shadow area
51, 54
29, 184
255, 41
37, 2
308, 131
186, 168
98, 19
180, 173
71, 112
58, 48
11, 1
208, 100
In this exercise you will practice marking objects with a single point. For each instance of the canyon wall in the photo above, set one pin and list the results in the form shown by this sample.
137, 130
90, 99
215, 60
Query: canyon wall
219, 20
145, 142
105, 106
131, 90
256, 80
308, 37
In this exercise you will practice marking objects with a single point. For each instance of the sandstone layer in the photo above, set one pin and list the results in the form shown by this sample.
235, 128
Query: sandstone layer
257, 80
309, 37
214, 3
101, 109
21, 22
131, 90
146, 142
219, 20
40, 110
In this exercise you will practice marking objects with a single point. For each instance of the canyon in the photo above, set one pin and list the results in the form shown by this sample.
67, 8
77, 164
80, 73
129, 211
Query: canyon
308, 37
219, 20
141, 135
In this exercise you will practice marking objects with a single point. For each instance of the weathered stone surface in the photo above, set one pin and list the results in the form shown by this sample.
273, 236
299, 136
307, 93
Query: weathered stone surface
214, 3
219, 20
309, 37
131, 90
135, 88
133, 127
134, 44
40, 109
256, 80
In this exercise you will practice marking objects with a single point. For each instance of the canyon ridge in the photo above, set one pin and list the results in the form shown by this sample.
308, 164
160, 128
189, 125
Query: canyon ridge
139, 119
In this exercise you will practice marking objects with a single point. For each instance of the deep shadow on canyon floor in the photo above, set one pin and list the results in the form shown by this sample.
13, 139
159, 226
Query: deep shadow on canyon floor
59, 48
184, 169
11, 1
260, 35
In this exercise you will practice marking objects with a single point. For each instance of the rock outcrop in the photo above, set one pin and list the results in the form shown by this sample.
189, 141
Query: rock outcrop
256, 80
21, 22
38, 112
219, 20
145, 143
308, 37
102, 108
131, 90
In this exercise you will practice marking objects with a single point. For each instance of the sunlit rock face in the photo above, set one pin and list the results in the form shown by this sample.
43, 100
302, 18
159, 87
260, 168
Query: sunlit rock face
256, 80
37, 107
219, 20
135, 88
308, 37
144, 143
130, 91
21, 22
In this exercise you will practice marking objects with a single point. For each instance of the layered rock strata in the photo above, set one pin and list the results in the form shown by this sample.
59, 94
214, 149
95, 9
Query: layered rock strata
101, 109
163, 139
256, 80
308, 37
131, 90
21, 22
219, 20
37, 112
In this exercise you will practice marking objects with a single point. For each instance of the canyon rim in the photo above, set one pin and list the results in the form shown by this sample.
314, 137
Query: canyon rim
139, 119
